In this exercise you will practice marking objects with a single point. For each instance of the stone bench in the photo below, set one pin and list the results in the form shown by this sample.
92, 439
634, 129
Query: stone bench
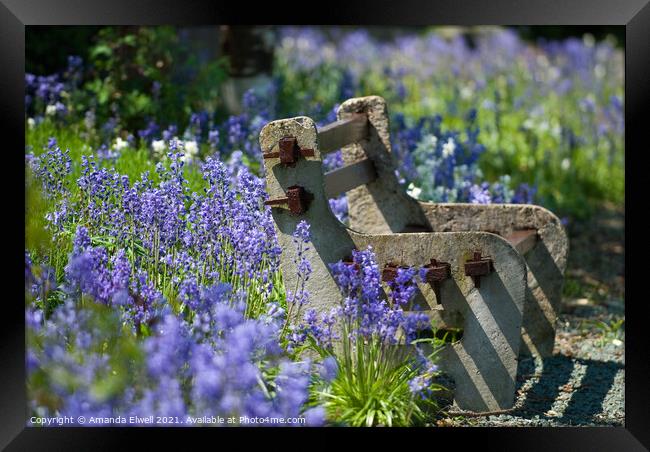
495, 270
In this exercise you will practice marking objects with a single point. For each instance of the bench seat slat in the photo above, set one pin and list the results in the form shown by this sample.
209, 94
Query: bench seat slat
340, 133
344, 179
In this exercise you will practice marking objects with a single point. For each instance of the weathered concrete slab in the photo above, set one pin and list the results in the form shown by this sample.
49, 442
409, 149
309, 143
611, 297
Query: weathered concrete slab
383, 207
331, 241
546, 261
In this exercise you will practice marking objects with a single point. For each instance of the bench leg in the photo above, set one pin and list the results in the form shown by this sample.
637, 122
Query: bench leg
484, 362
546, 261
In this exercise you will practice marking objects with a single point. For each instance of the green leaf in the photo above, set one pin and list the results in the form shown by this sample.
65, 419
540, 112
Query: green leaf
101, 50
129, 40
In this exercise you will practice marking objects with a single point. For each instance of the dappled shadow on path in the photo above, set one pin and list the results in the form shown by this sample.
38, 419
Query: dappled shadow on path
585, 394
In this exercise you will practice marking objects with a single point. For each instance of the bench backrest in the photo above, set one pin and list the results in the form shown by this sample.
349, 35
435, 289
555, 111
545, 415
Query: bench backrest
377, 202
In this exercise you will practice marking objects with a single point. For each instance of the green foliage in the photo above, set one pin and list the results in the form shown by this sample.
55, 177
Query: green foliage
372, 388
610, 331
607, 331
136, 73
125, 64
572, 288
37, 237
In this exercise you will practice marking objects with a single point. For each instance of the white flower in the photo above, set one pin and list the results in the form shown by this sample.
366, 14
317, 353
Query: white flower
434, 141
413, 191
31, 122
50, 110
120, 144
329, 53
448, 148
158, 146
566, 163
191, 148
466, 92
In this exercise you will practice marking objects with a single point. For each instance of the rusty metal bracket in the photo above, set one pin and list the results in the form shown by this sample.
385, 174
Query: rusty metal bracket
297, 200
389, 273
289, 151
477, 267
435, 273
349, 261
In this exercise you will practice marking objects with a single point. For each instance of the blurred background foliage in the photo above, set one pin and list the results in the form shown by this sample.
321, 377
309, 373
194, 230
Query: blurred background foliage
543, 117
45, 53
138, 73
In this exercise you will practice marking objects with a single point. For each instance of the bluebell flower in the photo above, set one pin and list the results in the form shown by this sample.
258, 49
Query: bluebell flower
479, 194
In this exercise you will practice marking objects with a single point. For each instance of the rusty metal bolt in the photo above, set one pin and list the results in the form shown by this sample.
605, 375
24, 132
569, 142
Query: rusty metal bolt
289, 151
436, 271
349, 261
389, 273
477, 267
297, 200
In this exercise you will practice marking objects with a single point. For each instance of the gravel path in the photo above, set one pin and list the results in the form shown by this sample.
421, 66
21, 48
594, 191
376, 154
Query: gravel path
583, 383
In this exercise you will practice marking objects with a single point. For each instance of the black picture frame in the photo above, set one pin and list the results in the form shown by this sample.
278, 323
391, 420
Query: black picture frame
634, 15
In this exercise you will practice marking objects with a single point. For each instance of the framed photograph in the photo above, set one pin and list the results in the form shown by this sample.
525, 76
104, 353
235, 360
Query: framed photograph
399, 215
